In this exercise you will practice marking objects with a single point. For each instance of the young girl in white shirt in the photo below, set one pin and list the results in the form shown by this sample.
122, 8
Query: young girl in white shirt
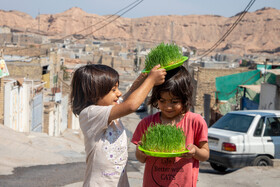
94, 98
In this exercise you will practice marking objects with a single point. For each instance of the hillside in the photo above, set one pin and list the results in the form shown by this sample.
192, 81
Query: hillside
258, 32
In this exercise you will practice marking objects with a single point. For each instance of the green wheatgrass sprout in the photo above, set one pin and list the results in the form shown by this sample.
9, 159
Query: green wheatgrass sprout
163, 54
164, 138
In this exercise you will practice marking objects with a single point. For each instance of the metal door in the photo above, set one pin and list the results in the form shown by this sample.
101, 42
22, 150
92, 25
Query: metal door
37, 113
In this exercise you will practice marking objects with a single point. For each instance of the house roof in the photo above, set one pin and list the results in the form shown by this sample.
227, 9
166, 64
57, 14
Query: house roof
255, 88
274, 71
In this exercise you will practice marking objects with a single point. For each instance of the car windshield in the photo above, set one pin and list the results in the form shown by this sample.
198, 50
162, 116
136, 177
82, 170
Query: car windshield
234, 122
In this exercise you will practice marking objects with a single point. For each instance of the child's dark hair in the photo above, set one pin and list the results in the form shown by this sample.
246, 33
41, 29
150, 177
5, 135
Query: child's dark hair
91, 83
179, 83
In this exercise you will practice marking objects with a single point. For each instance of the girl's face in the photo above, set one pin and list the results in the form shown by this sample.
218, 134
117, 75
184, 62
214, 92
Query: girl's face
111, 98
170, 105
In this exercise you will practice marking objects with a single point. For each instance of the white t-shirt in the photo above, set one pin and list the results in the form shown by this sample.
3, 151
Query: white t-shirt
105, 146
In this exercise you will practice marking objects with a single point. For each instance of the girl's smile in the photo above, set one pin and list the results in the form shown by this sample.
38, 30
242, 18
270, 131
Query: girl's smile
111, 98
171, 106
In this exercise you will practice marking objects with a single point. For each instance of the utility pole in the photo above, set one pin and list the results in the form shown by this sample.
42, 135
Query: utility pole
38, 20
265, 67
171, 40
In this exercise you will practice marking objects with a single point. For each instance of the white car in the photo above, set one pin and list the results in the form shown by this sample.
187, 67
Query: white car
244, 138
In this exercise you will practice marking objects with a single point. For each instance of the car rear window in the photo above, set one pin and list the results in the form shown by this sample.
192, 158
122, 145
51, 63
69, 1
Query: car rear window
234, 122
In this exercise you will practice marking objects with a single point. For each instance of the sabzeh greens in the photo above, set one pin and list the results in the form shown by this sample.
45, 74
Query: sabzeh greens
163, 54
164, 138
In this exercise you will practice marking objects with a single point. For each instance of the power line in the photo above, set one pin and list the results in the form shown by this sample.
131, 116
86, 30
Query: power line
136, 3
118, 16
131, 5
115, 14
240, 17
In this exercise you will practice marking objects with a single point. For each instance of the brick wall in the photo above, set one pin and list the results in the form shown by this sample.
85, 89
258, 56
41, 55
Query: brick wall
206, 83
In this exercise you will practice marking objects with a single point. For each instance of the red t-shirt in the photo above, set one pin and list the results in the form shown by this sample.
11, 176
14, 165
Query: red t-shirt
173, 171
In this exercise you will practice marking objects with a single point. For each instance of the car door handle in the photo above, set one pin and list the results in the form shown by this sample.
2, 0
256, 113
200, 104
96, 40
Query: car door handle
269, 140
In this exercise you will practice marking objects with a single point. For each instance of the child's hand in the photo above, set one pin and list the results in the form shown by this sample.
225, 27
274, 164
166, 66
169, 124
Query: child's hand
158, 75
191, 153
140, 155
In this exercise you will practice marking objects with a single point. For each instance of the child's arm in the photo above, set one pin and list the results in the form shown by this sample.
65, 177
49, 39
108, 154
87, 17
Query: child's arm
138, 81
141, 157
200, 152
134, 100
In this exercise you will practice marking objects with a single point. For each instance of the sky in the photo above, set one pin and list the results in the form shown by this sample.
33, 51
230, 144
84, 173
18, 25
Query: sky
226, 8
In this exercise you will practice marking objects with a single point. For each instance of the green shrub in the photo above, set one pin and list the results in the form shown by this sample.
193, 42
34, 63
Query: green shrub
164, 138
163, 54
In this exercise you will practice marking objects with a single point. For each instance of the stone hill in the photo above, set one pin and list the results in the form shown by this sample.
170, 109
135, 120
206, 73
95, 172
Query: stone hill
258, 32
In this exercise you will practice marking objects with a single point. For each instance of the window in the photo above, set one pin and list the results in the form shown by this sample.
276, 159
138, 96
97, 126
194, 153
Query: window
258, 130
272, 127
234, 122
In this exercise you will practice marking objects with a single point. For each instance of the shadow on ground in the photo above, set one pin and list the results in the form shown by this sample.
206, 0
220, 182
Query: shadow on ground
45, 175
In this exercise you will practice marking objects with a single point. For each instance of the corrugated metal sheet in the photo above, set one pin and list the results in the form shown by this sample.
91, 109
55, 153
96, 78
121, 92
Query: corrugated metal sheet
37, 113
255, 88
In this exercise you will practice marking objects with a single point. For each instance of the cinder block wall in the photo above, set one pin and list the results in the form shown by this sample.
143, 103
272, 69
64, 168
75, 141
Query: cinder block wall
206, 78
32, 71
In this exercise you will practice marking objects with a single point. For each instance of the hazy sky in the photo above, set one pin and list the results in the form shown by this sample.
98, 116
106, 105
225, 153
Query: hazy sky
225, 8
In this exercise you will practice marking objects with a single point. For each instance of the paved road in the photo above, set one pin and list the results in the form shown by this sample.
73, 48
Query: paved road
44, 176
66, 174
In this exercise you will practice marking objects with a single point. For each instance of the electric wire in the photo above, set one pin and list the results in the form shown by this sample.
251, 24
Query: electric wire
240, 17
128, 7
118, 16
115, 14
136, 3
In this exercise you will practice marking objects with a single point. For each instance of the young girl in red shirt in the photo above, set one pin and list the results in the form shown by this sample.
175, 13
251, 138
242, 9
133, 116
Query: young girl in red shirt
174, 98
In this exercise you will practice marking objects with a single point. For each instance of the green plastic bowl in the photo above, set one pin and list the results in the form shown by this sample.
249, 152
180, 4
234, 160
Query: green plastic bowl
172, 66
162, 154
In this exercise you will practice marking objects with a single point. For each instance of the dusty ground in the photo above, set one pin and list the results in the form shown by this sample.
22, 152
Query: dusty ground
31, 149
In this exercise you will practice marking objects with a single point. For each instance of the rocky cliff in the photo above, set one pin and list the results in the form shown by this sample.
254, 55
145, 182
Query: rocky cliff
258, 32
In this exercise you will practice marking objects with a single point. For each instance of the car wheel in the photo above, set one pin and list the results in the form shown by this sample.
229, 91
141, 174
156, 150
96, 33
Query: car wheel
218, 167
262, 161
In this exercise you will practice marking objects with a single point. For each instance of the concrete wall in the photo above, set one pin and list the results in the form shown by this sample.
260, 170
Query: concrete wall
5, 30
27, 39
75, 122
219, 64
1, 100
52, 119
269, 97
125, 64
17, 106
